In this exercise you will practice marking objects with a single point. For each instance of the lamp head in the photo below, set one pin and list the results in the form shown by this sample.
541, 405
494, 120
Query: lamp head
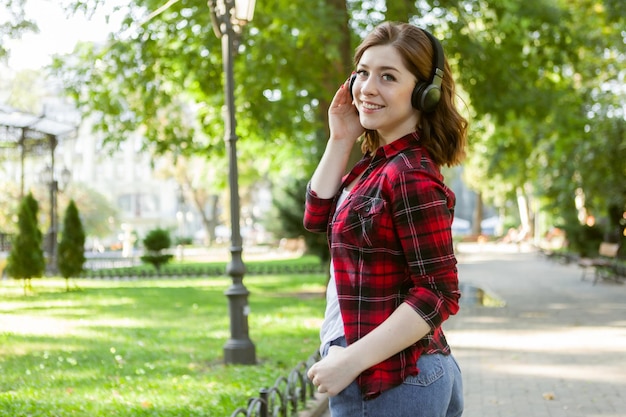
244, 10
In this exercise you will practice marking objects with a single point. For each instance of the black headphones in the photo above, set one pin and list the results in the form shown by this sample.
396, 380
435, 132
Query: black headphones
426, 95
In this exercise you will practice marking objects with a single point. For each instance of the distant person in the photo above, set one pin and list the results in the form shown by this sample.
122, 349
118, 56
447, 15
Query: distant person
393, 275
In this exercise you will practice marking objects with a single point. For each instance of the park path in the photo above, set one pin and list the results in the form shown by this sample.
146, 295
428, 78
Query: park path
556, 349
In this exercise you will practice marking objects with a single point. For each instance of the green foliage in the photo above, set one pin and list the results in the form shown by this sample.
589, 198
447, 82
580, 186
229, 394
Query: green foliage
26, 259
10, 202
583, 240
98, 216
139, 348
539, 76
13, 23
25, 90
157, 259
541, 79
287, 220
155, 242
166, 78
71, 250
306, 264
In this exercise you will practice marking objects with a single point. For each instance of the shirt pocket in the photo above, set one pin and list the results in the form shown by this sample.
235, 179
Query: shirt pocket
366, 216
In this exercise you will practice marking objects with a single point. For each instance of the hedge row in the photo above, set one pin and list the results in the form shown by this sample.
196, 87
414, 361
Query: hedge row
179, 271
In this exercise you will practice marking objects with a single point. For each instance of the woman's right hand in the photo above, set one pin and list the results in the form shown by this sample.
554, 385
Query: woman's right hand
334, 372
343, 118
345, 129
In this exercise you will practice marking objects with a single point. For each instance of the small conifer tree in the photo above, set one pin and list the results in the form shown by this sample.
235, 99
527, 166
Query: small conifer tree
288, 206
71, 254
26, 259
155, 242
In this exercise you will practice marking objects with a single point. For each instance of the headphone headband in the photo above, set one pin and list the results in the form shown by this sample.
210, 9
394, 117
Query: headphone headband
426, 96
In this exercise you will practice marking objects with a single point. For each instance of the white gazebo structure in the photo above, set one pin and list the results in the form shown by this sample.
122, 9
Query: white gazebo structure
31, 134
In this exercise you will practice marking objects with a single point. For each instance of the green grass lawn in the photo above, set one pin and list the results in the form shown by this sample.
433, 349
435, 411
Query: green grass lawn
147, 347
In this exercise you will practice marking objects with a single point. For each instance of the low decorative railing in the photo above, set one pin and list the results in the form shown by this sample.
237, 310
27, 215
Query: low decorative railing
104, 268
5, 242
286, 398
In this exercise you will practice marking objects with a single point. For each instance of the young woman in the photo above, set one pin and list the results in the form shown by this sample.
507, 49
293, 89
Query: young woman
393, 274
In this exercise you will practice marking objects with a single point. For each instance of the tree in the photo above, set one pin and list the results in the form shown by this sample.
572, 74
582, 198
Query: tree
541, 74
10, 203
98, 215
164, 77
13, 23
71, 250
26, 259
288, 204
25, 90
200, 182
155, 242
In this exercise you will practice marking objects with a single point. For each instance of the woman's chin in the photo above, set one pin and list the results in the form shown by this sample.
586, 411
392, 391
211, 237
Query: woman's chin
368, 124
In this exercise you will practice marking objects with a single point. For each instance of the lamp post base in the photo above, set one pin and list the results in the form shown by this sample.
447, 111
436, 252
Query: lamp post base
240, 351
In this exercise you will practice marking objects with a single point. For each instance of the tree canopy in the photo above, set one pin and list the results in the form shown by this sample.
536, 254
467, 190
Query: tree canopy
13, 23
542, 82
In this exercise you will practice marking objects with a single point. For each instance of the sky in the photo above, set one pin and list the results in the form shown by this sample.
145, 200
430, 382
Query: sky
58, 34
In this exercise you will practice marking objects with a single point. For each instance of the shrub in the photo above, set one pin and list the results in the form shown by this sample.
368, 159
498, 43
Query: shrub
71, 255
584, 240
155, 243
26, 258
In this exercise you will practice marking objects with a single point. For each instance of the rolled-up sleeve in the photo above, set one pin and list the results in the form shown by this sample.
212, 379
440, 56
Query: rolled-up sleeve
423, 211
316, 211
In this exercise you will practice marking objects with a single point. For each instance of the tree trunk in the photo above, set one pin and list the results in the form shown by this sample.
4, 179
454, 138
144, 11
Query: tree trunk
478, 215
524, 214
209, 222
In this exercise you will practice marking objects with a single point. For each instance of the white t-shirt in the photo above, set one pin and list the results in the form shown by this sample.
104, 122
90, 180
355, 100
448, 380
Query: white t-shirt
332, 327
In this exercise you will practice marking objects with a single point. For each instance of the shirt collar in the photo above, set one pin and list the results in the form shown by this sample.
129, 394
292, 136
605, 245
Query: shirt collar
387, 151
392, 149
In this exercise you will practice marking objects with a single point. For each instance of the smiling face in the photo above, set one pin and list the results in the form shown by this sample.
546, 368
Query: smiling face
382, 93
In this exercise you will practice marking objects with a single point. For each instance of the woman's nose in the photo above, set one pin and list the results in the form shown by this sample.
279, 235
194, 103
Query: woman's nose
368, 86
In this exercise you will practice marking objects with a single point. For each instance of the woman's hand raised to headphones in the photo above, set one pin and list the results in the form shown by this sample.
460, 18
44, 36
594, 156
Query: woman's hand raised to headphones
343, 118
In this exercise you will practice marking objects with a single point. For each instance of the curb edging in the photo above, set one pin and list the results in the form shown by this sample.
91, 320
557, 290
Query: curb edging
319, 407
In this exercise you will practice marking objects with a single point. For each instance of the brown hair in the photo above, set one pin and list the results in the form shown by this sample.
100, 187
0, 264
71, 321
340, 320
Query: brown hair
443, 131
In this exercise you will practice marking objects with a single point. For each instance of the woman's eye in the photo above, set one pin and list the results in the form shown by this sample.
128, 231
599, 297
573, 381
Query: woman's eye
362, 73
388, 77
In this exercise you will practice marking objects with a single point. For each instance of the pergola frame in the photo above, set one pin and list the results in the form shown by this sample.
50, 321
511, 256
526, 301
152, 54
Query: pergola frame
31, 134
34, 134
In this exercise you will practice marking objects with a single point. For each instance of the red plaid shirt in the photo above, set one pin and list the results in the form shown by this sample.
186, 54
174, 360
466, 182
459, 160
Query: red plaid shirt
391, 243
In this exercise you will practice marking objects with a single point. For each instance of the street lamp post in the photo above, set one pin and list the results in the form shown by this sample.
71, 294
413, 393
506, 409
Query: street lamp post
48, 177
228, 16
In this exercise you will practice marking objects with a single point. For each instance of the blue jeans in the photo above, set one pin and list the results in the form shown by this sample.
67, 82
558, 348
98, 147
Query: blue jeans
437, 391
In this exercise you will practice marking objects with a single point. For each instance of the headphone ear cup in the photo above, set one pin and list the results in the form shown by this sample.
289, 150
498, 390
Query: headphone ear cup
416, 96
352, 79
425, 97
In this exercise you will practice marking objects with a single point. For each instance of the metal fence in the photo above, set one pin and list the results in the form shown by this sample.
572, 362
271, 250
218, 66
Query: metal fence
97, 263
118, 267
286, 398
5, 242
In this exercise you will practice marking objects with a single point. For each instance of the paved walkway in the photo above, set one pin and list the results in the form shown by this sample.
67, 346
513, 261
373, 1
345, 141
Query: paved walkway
556, 349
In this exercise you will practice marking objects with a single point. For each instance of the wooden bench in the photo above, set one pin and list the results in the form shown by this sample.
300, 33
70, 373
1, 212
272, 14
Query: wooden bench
605, 265
614, 271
